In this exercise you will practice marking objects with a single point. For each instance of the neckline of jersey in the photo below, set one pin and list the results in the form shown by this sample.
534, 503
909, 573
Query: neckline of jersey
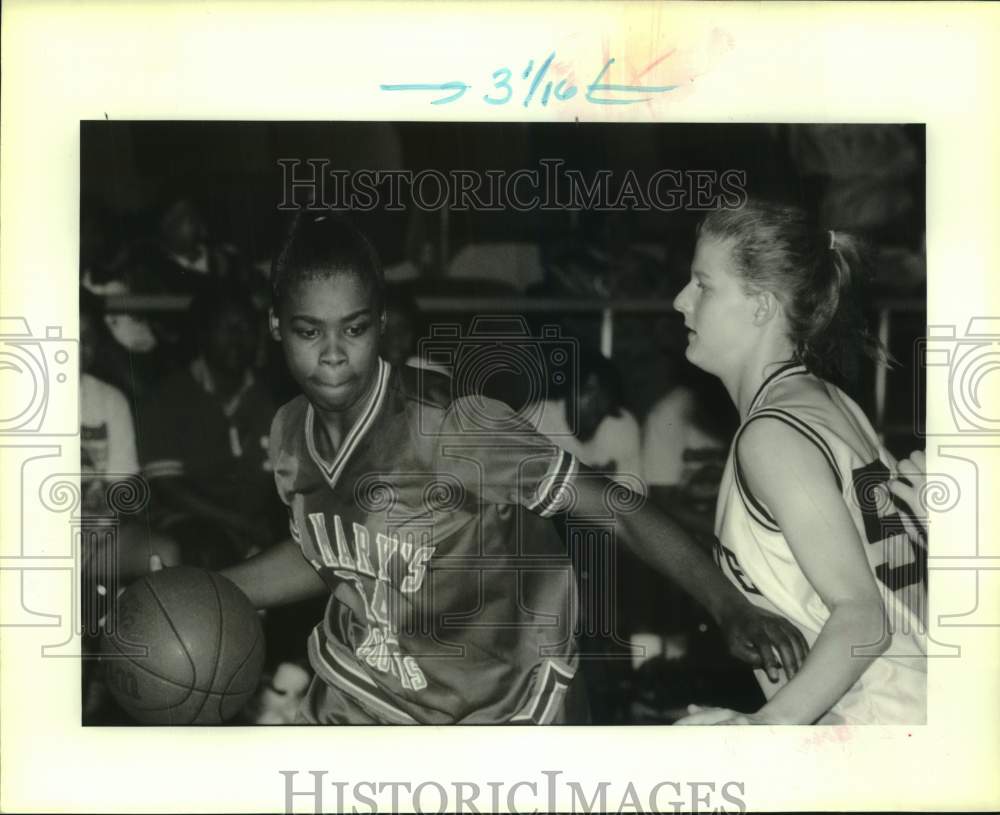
785, 371
332, 470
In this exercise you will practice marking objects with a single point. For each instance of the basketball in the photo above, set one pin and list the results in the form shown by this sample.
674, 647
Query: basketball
186, 647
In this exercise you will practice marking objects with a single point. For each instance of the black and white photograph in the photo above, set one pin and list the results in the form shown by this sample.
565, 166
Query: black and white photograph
475, 407
456, 423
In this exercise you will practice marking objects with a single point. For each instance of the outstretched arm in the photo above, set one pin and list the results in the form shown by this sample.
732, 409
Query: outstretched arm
753, 635
277, 576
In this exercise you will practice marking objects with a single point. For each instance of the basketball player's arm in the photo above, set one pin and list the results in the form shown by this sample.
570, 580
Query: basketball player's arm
277, 576
516, 463
753, 635
803, 495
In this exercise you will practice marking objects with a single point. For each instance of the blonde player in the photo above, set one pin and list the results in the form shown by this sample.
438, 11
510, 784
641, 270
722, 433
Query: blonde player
805, 521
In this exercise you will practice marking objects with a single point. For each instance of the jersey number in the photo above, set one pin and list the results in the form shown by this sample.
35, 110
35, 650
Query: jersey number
870, 490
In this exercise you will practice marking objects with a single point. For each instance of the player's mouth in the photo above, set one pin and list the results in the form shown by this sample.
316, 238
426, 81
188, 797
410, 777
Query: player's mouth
332, 385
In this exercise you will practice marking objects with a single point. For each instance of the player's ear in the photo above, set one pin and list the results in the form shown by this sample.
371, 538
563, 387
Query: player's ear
765, 307
273, 325
382, 320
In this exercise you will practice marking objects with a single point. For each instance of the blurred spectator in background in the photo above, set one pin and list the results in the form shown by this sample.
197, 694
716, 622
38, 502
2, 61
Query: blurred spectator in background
182, 259
131, 357
602, 259
589, 419
107, 434
107, 455
403, 328
204, 437
176, 258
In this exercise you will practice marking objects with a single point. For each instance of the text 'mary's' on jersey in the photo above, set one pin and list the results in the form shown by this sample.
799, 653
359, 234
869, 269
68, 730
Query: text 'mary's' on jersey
452, 598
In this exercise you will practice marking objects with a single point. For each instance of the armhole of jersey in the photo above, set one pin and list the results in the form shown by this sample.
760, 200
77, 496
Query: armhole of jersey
756, 509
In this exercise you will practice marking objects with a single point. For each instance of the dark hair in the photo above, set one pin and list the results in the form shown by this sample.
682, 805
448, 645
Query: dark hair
213, 301
816, 274
319, 246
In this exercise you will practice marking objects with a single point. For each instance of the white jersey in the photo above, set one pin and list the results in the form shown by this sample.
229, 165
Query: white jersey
755, 556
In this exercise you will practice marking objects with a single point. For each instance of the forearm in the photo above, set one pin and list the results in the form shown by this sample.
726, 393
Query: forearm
278, 576
832, 667
656, 538
694, 520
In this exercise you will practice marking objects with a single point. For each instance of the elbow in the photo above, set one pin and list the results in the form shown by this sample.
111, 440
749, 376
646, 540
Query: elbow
877, 629
869, 624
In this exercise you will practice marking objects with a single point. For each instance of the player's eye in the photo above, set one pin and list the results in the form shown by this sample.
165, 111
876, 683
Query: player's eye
358, 329
307, 333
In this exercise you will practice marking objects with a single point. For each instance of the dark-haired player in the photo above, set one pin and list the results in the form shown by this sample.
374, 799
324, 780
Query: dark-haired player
451, 598
805, 525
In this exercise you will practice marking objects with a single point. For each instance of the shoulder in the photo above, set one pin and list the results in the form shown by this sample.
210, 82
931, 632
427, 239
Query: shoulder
548, 416
827, 415
777, 457
288, 419
441, 406
421, 386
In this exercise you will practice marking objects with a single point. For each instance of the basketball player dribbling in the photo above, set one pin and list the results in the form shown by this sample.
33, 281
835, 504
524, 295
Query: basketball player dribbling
424, 518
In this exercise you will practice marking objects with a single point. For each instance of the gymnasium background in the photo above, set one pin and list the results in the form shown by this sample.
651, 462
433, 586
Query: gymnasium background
607, 279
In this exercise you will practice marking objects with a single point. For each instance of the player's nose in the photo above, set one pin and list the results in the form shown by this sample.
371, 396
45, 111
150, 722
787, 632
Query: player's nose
681, 300
332, 352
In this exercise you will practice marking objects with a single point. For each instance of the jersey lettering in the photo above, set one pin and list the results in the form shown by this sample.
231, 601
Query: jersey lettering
361, 546
735, 568
417, 569
343, 552
351, 560
387, 546
322, 540
884, 527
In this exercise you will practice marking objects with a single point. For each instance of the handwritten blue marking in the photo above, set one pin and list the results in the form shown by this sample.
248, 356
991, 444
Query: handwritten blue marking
598, 92
538, 78
568, 93
504, 84
459, 87
594, 87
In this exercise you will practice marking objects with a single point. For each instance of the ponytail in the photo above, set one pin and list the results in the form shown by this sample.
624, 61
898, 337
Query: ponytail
839, 335
817, 275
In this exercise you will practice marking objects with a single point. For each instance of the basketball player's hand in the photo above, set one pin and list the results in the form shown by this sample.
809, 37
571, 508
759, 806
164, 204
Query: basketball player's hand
717, 715
155, 564
765, 641
909, 486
